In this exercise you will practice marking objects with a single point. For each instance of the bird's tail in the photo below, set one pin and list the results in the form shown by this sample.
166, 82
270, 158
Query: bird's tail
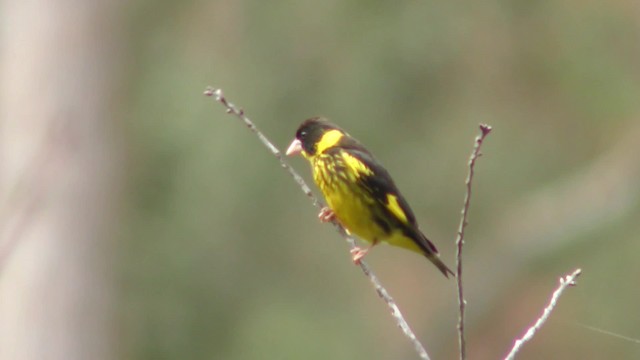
431, 252
435, 259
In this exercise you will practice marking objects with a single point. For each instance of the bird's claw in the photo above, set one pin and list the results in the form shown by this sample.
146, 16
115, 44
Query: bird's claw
326, 215
357, 254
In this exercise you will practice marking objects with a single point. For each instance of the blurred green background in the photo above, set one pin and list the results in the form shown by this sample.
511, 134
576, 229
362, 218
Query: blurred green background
219, 255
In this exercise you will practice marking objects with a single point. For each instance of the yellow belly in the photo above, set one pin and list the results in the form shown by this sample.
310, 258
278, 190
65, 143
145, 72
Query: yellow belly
354, 213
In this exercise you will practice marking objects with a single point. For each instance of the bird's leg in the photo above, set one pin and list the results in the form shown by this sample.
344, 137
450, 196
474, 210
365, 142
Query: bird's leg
326, 215
358, 253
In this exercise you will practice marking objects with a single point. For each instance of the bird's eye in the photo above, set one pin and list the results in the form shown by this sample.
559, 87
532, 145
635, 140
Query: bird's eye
303, 134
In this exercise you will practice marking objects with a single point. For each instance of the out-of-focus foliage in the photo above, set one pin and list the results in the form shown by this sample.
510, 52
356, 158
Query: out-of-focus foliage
221, 255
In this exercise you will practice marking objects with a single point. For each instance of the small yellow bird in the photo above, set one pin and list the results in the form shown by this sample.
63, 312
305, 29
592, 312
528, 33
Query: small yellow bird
360, 193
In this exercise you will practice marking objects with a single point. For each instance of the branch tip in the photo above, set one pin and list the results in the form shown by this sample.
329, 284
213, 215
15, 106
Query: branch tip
486, 129
208, 91
570, 280
566, 281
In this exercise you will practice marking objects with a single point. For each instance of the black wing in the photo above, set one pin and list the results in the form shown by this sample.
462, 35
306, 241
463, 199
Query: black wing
380, 185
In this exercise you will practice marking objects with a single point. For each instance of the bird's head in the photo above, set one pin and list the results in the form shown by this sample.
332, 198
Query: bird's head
314, 136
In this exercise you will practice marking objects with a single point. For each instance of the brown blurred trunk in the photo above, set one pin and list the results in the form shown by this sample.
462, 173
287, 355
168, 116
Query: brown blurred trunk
58, 179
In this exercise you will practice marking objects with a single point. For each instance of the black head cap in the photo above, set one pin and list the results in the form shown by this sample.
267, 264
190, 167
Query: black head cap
311, 131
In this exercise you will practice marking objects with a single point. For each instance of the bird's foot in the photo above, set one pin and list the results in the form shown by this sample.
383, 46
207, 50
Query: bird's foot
326, 215
358, 253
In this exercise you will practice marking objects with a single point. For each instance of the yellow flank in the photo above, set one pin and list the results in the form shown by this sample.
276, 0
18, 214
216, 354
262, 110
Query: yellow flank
329, 139
397, 238
392, 204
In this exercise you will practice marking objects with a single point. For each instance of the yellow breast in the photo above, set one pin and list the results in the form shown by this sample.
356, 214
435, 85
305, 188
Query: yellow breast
350, 204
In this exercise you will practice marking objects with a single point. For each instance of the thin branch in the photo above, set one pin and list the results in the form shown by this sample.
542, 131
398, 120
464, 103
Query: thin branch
382, 292
569, 280
485, 130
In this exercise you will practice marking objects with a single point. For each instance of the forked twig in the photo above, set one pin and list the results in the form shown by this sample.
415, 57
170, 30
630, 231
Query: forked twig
382, 292
569, 280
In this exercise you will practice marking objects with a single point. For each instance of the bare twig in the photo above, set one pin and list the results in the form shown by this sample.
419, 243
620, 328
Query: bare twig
569, 280
485, 130
382, 292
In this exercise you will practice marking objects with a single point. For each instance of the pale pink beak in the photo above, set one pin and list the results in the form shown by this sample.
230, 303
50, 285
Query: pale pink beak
294, 148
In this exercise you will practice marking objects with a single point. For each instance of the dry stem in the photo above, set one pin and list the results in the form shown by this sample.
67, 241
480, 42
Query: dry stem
569, 280
485, 130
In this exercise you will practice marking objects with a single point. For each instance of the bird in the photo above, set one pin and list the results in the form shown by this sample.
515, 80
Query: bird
360, 194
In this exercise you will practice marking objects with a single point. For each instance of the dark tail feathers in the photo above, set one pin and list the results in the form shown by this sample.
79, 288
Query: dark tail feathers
435, 259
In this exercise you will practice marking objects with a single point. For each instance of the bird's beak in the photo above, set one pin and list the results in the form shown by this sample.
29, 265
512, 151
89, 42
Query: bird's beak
294, 148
